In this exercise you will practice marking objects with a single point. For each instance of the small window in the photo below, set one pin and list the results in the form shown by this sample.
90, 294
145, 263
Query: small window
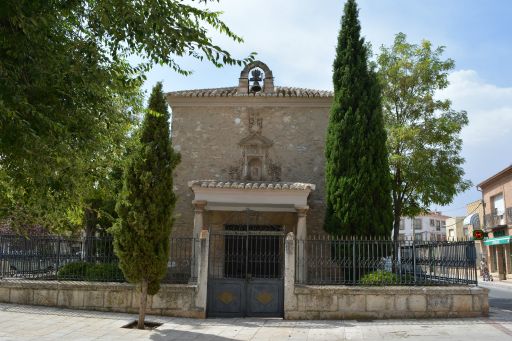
432, 222
417, 224
417, 236
402, 224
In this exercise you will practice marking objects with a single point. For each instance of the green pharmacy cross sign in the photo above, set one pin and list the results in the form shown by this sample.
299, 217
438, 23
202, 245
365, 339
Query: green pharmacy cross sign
478, 234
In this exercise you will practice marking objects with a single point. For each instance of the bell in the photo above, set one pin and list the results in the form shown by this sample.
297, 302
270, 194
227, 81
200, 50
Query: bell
255, 87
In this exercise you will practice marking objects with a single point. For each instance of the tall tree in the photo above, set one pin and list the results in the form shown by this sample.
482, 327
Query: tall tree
423, 130
146, 204
357, 170
66, 90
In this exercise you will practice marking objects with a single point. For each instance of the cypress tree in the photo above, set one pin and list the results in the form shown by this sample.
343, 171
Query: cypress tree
146, 203
357, 171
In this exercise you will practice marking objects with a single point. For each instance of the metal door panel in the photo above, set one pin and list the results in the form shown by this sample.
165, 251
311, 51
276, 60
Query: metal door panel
265, 298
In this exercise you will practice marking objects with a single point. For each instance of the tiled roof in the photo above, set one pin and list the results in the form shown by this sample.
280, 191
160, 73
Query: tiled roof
256, 185
279, 91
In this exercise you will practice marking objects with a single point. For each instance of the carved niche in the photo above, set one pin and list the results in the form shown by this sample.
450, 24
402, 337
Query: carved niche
255, 163
254, 154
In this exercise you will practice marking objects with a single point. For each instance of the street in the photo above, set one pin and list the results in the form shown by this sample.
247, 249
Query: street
500, 295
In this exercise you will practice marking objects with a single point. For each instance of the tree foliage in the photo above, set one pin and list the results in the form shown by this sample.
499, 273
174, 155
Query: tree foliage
423, 130
68, 97
146, 203
357, 171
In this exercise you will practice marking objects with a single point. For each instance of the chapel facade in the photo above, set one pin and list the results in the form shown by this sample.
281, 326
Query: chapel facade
252, 154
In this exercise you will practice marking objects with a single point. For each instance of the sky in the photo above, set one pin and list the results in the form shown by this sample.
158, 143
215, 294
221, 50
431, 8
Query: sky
297, 40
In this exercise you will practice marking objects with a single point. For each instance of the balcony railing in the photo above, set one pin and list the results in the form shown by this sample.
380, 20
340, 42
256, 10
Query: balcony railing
494, 220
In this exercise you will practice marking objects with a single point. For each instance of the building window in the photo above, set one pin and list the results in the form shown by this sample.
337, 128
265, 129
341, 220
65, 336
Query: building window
416, 224
417, 236
401, 236
402, 224
451, 234
432, 222
466, 232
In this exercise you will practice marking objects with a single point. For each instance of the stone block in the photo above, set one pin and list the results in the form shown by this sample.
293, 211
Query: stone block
317, 303
417, 303
117, 299
4, 295
462, 303
166, 299
70, 298
353, 303
93, 298
379, 302
401, 303
45, 297
439, 303
21, 296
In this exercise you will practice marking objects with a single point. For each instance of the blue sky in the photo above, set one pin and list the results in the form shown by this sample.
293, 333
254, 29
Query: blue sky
297, 38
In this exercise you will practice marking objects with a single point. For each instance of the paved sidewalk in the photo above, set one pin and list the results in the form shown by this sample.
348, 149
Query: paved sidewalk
41, 323
496, 284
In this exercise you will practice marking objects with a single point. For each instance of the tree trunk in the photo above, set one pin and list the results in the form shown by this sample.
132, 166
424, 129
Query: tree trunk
143, 301
91, 219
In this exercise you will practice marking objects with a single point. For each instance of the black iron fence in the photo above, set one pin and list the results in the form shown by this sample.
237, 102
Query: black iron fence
350, 261
83, 259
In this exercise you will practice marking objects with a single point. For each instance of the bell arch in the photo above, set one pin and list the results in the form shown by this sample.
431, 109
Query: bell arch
243, 81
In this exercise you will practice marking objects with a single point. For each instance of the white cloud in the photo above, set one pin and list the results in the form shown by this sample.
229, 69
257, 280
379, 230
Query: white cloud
488, 137
489, 109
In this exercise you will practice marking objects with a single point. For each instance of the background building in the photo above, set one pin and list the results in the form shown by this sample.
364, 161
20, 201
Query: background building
431, 226
497, 198
455, 229
473, 221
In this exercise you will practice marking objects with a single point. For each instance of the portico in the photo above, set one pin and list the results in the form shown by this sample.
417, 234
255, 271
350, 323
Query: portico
285, 197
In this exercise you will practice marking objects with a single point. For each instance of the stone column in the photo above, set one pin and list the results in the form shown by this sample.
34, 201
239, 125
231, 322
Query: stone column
508, 265
202, 271
301, 221
302, 265
500, 262
290, 300
489, 260
199, 206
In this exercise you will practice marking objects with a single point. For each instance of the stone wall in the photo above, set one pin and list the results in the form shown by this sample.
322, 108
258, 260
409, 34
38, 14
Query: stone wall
304, 302
343, 302
172, 300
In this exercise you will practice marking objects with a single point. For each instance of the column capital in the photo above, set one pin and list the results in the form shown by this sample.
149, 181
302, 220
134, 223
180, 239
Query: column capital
199, 205
301, 210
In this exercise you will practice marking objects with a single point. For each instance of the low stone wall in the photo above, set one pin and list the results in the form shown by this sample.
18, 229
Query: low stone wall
172, 300
343, 302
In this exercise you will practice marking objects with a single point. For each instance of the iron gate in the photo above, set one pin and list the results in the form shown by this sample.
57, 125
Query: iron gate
245, 276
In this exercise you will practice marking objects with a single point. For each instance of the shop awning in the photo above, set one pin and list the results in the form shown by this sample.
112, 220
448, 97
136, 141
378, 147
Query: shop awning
498, 241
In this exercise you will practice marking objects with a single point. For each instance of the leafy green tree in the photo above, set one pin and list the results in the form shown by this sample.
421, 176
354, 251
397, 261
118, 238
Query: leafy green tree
357, 170
146, 204
67, 94
423, 130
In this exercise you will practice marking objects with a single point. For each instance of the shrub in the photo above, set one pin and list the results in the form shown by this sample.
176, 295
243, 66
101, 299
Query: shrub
73, 271
82, 271
105, 272
381, 277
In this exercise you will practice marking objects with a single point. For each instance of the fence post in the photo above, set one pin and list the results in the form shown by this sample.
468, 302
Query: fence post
202, 270
414, 259
290, 300
354, 260
58, 255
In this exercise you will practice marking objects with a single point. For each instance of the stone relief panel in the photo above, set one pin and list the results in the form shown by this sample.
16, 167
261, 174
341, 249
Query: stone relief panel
255, 163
